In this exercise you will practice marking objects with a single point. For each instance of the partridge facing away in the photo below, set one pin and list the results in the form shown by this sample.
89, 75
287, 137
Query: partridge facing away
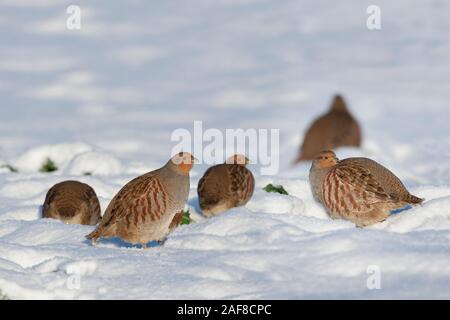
336, 128
72, 202
143, 210
357, 189
225, 186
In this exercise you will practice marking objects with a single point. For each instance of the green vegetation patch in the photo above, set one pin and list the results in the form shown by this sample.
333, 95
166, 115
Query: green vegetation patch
186, 218
275, 189
48, 166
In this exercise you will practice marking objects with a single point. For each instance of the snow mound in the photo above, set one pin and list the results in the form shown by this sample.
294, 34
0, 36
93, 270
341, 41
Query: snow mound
70, 159
94, 163
33, 159
275, 203
432, 215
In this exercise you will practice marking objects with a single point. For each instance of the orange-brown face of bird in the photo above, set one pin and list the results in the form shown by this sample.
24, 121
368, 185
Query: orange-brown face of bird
238, 159
184, 161
326, 159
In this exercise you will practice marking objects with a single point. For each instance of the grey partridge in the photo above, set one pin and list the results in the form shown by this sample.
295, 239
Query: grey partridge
336, 128
143, 210
225, 186
72, 202
357, 189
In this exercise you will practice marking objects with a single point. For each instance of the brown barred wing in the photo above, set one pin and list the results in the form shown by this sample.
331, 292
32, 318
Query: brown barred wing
242, 184
90, 197
142, 200
351, 191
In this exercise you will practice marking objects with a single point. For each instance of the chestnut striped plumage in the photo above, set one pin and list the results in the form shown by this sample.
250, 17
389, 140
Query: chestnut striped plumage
144, 209
357, 189
225, 186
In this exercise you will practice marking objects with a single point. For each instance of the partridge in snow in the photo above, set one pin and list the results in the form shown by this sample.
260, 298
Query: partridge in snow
357, 189
336, 128
72, 202
226, 186
143, 210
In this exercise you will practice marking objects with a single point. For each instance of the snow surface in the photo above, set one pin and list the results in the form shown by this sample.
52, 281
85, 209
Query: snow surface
104, 100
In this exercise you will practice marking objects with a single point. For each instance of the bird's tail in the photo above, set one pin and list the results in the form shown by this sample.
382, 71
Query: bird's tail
176, 221
414, 200
94, 235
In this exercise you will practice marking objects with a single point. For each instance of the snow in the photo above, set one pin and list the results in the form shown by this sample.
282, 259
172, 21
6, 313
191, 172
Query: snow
94, 163
105, 99
33, 159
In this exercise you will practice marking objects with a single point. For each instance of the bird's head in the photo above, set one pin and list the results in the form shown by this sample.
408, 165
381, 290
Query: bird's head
238, 159
183, 161
338, 104
325, 159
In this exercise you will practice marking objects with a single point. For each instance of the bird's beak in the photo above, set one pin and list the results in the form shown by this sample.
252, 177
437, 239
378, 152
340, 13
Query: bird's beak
194, 160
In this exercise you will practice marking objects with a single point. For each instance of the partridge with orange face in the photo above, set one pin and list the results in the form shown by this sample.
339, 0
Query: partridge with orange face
226, 186
336, 128
143, 210
357, 189
72, 202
